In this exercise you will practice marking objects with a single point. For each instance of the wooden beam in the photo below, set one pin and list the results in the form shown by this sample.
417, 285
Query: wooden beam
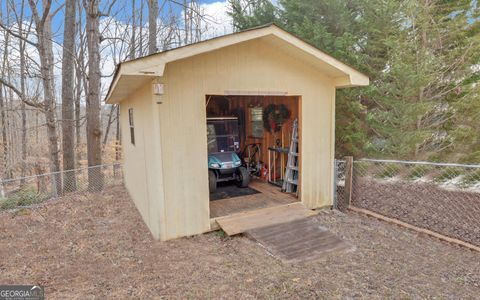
415, 228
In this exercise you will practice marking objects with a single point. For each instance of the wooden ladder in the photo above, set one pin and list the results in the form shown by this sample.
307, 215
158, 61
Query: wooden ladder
290, 182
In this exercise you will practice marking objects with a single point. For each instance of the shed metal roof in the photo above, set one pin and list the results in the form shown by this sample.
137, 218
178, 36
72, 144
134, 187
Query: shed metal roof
131, 75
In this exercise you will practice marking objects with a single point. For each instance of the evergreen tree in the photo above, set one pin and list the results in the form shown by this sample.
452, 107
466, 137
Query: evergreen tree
466, 131
422, 57
354, 32
429, 62
251, 13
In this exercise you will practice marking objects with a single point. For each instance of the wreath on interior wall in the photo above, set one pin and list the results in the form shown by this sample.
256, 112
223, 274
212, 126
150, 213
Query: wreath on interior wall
274, 116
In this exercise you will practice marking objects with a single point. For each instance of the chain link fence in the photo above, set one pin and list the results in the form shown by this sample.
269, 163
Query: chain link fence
444, 198
27, 191
339, 200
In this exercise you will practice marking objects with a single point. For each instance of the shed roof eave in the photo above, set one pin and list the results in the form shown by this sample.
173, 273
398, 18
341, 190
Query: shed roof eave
154, 65
351, 81
128, 84
113, 84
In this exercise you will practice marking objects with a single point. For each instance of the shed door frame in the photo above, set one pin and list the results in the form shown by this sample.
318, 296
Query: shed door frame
299, 104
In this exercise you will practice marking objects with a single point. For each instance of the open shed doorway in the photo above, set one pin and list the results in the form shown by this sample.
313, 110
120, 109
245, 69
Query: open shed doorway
259, 130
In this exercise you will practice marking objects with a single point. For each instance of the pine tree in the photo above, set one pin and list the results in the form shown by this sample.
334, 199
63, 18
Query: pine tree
354, 32
430, 58
422, 59
251, 13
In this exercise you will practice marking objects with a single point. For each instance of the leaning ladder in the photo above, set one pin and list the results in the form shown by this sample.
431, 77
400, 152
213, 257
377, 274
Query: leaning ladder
290, 182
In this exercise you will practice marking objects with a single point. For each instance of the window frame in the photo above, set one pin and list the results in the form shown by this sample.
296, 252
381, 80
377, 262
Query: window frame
131, 126
258, 111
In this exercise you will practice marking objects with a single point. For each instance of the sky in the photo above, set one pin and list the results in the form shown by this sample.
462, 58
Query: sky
216, 23
216, 9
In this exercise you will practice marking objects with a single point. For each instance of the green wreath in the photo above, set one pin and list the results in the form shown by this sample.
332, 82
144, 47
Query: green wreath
274, 116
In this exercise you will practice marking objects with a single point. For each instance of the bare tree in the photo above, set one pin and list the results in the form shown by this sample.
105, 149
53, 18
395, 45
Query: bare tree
43, 28
68, 125
29, 127
118, 149
3, 123
152, 26
3, 117
140, 29
22, 46
94, 131
109, 125
132, 41
186, 21
80, 87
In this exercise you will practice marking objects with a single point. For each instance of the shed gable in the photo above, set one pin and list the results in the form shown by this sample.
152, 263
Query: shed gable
131, 75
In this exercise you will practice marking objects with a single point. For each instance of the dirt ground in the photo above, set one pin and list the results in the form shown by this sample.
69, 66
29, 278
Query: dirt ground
96, 246
452, 213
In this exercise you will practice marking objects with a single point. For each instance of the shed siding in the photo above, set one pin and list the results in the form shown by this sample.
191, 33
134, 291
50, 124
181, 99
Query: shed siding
142, 162
253, 66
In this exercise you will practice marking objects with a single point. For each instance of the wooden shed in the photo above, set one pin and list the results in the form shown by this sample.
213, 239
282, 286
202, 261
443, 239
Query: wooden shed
165, 100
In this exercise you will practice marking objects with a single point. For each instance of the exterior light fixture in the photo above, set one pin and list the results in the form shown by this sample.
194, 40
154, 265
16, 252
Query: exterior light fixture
158, 91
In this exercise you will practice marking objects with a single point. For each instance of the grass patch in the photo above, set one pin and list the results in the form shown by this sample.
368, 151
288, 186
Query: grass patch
448, 174
471, 178
7, 203
418, 171
361, 168
220, 233
387, 171
23, 197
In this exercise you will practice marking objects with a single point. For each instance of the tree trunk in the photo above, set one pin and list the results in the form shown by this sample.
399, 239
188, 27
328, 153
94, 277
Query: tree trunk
3, 115
185, 21
22, 46
43, 27
78, 137
37, 125
24, 129
140, 30
4, 134
132, 41
118, 149
94, 132
68, 125
421, 56
51, 120
107, 130
41, 179
79, 66
152, 26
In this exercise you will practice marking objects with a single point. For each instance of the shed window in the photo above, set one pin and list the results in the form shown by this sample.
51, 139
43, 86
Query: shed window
130, 123
256, 116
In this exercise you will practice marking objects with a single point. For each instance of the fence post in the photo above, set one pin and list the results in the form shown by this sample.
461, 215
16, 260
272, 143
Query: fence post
348, 179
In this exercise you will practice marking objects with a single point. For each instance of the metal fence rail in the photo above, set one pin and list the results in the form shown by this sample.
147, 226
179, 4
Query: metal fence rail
444, 198
26, 191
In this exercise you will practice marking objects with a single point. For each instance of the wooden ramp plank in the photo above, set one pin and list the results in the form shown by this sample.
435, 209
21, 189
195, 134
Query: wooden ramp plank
242, 222
264, 199
298, 240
